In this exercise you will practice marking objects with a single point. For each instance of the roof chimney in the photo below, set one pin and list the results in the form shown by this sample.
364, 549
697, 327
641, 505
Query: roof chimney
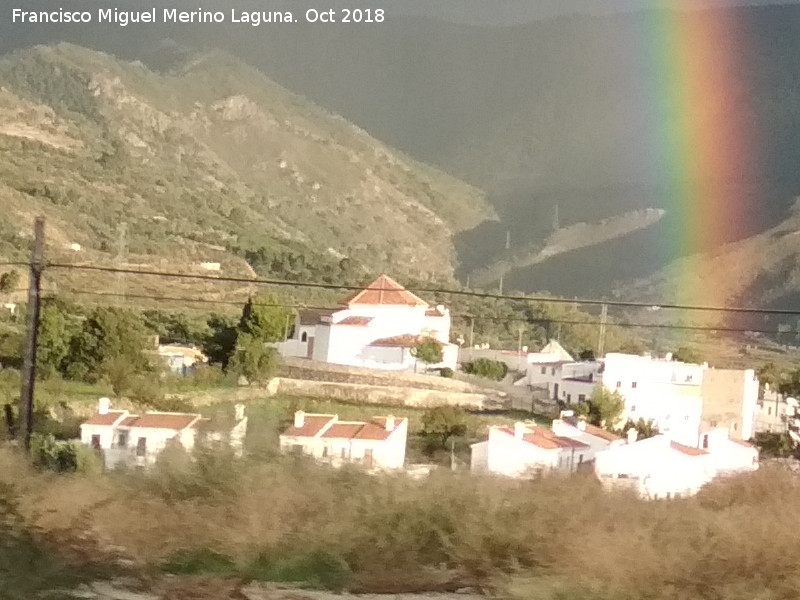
103, 405
520, 430
239, 414
668, 356
299, 419
390, 423
632, 435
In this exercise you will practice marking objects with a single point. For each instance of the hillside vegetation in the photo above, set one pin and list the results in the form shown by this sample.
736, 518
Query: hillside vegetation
210, 161
285, 519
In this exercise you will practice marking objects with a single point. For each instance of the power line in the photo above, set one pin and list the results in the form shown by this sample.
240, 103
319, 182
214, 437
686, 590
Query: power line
464, 316
470, 293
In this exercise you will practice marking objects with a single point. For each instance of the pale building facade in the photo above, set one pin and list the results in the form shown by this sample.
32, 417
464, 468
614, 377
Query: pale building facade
376, 328
379, 443
526, 450
126, 438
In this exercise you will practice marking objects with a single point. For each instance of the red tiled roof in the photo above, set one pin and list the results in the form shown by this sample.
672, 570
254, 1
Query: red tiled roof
312, 425
174, 421
109, 418
545, 439
375, 430
345, 431
129, 421
384, 291
593, 430
312, 317
355, 321
687, 449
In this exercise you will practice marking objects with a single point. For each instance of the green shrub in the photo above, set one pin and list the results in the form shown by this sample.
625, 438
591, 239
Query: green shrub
52, 454
446, 372
486, 367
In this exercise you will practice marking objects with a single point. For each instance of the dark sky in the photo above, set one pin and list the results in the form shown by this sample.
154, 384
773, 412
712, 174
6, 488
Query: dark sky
501, 12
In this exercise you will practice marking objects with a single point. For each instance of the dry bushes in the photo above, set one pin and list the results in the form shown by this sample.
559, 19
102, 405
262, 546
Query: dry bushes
556, 538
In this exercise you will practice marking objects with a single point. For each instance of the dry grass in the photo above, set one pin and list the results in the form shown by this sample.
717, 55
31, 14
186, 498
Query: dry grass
294, 521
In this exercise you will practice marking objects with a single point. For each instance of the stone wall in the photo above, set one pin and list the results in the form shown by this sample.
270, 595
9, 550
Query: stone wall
385, 395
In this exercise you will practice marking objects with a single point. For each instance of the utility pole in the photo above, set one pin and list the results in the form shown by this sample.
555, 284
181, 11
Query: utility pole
28, 375
508, 239
500, 288
519, 350
472, 332
601, 342
555, 218
121, 259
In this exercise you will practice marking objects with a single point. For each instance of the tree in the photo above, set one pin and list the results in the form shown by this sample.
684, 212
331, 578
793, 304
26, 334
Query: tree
220, 344
586, 355
106, 335
775, 445
441, 423
264, 318
769, 374
486, 367
428, 350
55, 332
644, 429
687, 355
254, 359
789, 384
604, 408
9, 281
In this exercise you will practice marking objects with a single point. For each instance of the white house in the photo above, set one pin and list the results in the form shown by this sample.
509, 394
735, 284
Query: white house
138, 439
596, 439
527, 450
379, 443
729, 455
655, 468
180, 359
376, 328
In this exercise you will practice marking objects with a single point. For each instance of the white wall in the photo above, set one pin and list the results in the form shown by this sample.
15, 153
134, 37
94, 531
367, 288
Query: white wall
595, 443
479, 457
749, 404
513, 457
106, 433
653, 468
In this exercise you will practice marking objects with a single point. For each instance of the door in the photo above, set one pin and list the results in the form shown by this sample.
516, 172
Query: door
555, 391
368, 458
141, 446
310, 347
95, 441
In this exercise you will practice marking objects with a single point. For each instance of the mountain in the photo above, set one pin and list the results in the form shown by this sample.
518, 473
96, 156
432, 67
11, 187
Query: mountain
208, 160
542, 115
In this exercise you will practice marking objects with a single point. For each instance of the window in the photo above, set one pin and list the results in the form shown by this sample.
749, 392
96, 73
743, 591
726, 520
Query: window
344, 452
686, 418
634, 384
304, 336
324, 452
688, 378
544, 370
569, 398
669, 495
95, 441
769, 411
619, 384
122, 440
705, 441
553, 371
581, 398
734, 426
633, 408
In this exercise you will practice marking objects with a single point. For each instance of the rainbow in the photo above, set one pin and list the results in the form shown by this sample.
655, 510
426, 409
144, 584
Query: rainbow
694, 77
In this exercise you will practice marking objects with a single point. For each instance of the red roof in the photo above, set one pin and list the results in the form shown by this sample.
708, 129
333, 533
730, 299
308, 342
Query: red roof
434, 312
374, 429
545, 439
129, 421
384, 291
687, 449
344, 431
355, 321
312, 425
174, 421
109, 418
